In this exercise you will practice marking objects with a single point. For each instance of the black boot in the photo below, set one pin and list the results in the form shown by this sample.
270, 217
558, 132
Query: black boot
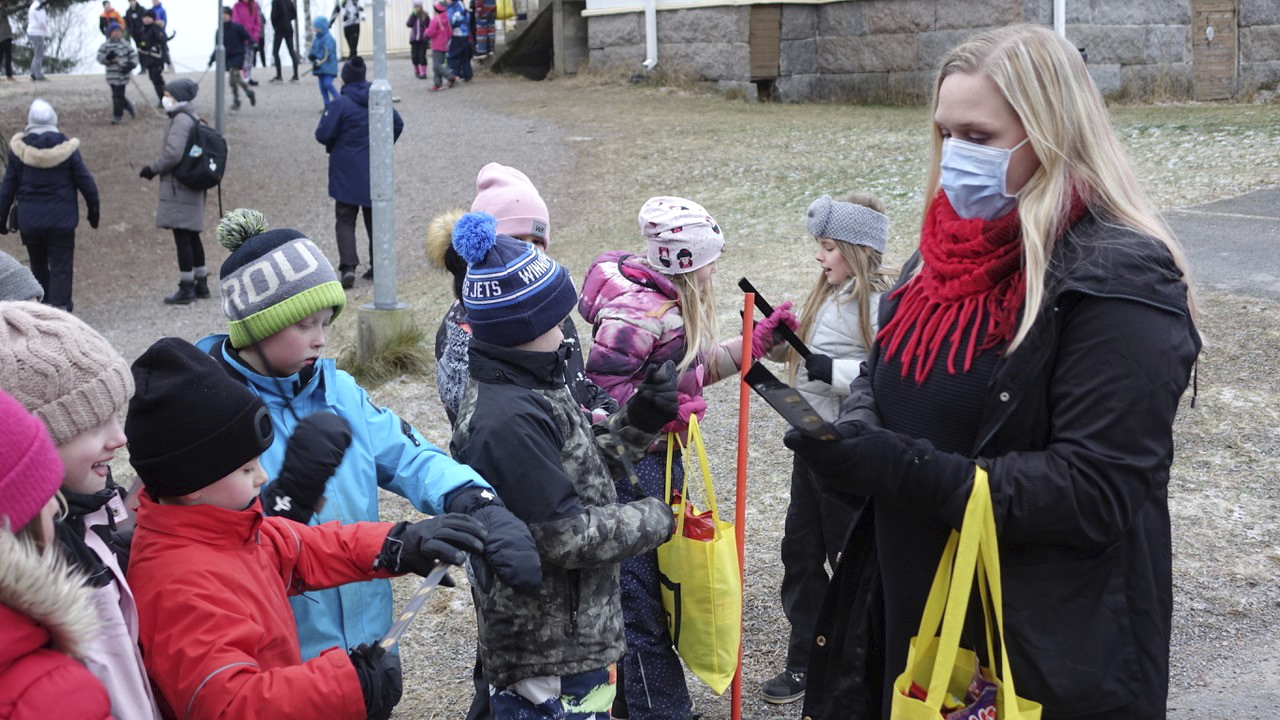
202, 287
185, 295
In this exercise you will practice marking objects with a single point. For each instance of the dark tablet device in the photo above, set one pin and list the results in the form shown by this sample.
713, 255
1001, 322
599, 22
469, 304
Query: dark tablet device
789, 403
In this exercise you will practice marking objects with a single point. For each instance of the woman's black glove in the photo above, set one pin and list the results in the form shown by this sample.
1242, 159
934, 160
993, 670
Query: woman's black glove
509, 552
93, 217
311, 455
416, 548
146, 173
887, 464
818, 367
656, 399
380, 679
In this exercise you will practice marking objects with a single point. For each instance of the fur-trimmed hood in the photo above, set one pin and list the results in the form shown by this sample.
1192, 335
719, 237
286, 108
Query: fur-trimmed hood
43, 150
45, 590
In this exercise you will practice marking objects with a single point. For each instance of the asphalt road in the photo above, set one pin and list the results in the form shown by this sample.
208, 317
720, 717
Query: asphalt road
1234, 244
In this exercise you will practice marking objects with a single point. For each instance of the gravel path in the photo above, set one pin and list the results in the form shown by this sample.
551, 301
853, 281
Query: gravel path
597, 153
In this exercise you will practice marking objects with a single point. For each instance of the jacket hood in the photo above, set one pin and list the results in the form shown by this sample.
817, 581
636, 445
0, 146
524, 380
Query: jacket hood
1101, 258
321, 25
617, 273
42, 587
358, 92
43, 150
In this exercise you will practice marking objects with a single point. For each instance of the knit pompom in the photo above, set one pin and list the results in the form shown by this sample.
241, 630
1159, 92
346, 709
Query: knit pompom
474, 235
440, 236
240, 225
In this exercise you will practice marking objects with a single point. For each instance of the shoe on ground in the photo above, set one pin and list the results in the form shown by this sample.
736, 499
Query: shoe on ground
453, 81
368, 274
253, 98
235, 105
276, 79
202, 287
293, 79
253, 83
435, 88
115, 121
185, 296
783, 688
348, 279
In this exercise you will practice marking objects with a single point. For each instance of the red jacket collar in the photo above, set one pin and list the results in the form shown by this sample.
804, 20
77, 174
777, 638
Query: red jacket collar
206, 524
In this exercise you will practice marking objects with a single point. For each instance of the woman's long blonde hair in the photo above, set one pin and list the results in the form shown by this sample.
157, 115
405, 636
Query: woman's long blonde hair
869, 276
1045, 81
698, 312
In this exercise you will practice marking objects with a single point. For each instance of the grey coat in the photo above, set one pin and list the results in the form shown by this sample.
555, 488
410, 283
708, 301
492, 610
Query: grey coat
180, 207
6, 30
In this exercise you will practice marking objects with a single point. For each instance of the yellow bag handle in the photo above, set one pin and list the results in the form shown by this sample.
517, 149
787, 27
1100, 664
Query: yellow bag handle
704, 467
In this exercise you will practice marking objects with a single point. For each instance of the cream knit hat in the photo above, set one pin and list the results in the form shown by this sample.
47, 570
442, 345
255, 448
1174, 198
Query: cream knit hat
60, 369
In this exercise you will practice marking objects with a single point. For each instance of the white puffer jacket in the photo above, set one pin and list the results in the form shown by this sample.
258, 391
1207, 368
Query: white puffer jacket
836, 333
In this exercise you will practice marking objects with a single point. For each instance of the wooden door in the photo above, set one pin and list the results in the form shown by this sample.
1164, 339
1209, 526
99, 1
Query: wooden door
765, 41
1214, 49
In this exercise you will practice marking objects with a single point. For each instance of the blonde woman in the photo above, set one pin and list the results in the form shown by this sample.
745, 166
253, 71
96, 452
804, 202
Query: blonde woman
838, 325
1045, 331
644, 311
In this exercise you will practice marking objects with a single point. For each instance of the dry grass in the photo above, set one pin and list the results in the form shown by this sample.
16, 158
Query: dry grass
405, 355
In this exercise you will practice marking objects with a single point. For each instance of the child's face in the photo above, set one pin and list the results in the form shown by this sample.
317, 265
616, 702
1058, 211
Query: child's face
236, 491
534, 240
835, 268
702, 276
86, 457
296, 346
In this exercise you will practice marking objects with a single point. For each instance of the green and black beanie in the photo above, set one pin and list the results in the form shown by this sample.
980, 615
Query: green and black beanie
272, 279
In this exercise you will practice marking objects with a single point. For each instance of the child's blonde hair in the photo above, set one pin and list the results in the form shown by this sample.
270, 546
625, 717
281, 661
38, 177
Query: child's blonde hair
1045, 81
698, 311
868, 274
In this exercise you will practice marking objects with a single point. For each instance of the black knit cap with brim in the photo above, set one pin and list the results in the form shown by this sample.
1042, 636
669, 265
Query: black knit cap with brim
189, 423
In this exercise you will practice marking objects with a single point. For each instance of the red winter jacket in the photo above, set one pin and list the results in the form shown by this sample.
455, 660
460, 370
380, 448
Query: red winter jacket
46, 619
217, 633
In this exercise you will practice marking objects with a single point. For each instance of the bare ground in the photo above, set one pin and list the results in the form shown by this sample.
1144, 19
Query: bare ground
597, 152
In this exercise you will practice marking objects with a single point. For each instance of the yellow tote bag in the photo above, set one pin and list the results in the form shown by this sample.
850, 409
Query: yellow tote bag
701, 583
506, 9
941, 677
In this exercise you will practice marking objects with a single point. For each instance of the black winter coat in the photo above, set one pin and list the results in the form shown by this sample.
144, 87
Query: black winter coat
151, 43
234, 39
283, 13
43, 174
1076, 435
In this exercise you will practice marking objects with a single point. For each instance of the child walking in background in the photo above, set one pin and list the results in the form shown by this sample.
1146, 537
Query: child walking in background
418, 43
237, 43
213, 574
47, 618
324, 60
645, 311
74, 381
838, 324
439, 33
120, 59
460, 47
152, 46
280, 294
549, 653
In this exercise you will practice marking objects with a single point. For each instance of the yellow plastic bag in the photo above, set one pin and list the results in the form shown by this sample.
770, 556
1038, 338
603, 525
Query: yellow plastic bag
701, 583
939, 672
506, 9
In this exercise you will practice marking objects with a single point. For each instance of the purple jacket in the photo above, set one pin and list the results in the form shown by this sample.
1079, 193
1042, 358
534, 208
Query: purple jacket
417, 25
635, 320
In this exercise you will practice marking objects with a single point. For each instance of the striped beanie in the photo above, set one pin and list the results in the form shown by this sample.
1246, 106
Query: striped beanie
272, 279
513, 292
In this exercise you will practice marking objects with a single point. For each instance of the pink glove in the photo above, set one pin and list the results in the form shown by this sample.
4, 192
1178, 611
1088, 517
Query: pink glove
689, 405
765, 337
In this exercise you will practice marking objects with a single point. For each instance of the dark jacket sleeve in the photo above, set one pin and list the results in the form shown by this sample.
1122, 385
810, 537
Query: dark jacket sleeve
329, 125
84, 180
9, 186
397, 125
1112, 396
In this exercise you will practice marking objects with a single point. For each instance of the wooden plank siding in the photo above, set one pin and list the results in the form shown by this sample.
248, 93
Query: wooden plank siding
765, 41
1214, 62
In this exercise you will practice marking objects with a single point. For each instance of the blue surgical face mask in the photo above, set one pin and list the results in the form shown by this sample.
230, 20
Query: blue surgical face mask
974, 178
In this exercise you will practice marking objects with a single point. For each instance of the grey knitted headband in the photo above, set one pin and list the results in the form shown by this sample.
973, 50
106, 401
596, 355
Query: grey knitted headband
848, 222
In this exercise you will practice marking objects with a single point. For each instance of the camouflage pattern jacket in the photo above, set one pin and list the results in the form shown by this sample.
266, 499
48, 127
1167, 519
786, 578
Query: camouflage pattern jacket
521, 429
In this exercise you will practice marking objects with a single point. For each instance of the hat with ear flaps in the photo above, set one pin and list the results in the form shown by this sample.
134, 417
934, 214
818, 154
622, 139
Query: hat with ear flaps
272, 279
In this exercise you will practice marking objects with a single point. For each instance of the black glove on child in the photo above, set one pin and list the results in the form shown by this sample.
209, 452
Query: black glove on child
417, 547
380, 679
311, 455
818, 367
509, 552
887, 464
93, 217
656, 400
146, 173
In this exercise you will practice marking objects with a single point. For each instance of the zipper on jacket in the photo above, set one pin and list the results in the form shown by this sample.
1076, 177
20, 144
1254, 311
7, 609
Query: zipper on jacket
407, 429
573, 593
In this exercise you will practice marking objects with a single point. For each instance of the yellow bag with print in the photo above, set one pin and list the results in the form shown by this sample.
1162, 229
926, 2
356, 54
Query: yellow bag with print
701, 583
943, 680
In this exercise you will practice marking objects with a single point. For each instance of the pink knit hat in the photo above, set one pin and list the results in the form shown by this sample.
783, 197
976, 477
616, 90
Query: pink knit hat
508, 195
30, 470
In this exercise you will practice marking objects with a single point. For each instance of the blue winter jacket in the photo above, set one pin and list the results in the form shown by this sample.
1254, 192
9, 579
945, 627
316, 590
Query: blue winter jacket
323, 47
386, 452
43, 173
344, 132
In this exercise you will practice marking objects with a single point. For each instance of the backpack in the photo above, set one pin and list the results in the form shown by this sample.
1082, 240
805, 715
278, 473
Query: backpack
205, 159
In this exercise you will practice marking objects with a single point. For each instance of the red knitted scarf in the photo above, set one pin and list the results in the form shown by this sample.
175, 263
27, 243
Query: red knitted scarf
970, 287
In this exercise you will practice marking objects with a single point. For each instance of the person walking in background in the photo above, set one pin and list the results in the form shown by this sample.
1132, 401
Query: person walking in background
438, 33
460, 49
352, 12
6, 45
109, 15
133, 21
38, 34
249, 16
324, 59
283, 15
417, 24
120, 59
236, 41
43, 174
180, 208
344, 132
151, 50
162, 17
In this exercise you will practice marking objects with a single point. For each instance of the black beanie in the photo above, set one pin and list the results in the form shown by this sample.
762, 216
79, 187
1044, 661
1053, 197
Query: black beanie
182, 89
189, 423
353, 71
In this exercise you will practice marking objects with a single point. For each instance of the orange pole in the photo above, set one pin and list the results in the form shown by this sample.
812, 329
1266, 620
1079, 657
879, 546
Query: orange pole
740, 507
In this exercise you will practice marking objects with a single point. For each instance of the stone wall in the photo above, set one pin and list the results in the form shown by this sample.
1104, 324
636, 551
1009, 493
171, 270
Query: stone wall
889, 50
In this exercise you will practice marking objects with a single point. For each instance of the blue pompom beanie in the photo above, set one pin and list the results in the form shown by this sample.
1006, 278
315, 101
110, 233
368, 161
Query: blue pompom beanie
513, 292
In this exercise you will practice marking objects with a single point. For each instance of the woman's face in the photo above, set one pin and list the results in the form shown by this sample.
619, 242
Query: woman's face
971, 108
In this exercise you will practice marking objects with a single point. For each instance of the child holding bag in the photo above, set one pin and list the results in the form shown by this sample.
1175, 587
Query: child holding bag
645, 310
838, 324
